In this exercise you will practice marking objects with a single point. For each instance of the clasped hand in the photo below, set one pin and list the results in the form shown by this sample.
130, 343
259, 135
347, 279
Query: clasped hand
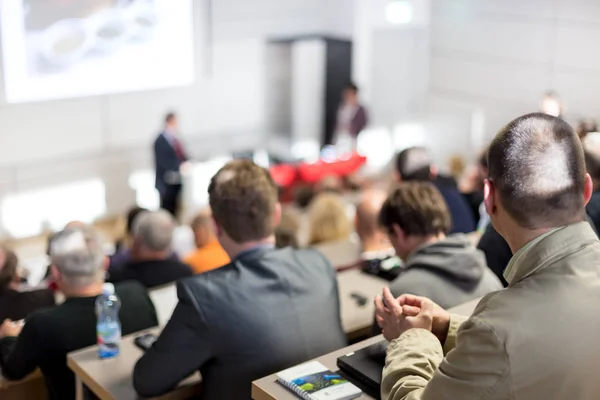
396, 316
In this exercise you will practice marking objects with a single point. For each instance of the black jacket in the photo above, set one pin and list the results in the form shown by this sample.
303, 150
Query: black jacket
267, 310
165, 160
462, 216
17, 305
152, 273
49, 335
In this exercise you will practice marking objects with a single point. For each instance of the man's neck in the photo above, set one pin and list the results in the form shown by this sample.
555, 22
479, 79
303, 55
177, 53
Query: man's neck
244, 247
374, 244
518, 238
145, 255
92, 290
421, 241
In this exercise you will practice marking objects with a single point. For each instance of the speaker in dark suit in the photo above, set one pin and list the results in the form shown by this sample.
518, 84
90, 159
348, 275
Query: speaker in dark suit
169, 155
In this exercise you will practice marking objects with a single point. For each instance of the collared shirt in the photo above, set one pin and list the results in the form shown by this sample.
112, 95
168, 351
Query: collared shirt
170, 136
509, 273
258, 247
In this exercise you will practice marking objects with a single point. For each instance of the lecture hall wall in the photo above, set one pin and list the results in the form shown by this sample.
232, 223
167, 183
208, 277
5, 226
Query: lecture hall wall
499, 56
108, 137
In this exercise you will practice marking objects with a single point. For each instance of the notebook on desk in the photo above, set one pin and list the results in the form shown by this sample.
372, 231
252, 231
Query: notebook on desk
364, 367
313, 381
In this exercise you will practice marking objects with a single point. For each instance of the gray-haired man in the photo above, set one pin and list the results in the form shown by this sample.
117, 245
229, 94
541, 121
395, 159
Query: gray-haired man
48, 335
153, 263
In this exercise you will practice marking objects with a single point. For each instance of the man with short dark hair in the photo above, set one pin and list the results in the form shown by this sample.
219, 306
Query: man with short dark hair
414, 164
536, 339
49, 335
170, 159
267, 310
152, 262
447, 269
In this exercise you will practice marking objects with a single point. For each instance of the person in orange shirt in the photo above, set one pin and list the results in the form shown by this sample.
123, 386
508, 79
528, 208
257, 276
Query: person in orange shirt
209, 254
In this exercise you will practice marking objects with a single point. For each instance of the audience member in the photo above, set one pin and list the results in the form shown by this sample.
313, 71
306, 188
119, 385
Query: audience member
16, 304
585, 127
447, 269
122, 254
330, 184
471, 186
373, 239
286, 232
267, 310
536, 339
208, 254
414, 164
551, 104
48, 335
303, 195
497, 252
328, 220
152, 263
592, 162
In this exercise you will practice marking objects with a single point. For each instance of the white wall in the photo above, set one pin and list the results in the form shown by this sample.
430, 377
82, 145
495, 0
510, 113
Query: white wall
500, 56
391, 62
108, 137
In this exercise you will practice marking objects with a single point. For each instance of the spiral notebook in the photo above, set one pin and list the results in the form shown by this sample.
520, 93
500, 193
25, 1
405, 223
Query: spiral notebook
313, 381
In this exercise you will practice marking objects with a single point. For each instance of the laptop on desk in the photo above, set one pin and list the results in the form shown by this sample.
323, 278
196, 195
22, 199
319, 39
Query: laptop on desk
364, 367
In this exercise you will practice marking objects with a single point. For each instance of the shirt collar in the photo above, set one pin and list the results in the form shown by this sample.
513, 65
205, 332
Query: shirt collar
546, 248
255, 249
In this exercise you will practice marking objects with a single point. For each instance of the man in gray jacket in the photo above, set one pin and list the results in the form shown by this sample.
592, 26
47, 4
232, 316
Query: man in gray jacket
267, 310
447, 269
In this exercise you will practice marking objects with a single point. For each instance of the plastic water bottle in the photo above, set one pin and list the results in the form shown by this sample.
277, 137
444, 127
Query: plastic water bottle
108, 325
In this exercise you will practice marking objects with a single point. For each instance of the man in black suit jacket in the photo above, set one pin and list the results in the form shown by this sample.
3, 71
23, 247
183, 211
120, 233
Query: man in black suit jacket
267, 310
169, 157
153, 263
50, 334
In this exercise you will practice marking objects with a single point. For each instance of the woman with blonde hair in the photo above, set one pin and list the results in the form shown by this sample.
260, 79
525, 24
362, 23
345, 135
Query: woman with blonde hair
328, 219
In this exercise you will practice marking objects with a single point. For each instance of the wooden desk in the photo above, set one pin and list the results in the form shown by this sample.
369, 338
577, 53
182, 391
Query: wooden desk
357, 319
32, 387
267, 388
112, 379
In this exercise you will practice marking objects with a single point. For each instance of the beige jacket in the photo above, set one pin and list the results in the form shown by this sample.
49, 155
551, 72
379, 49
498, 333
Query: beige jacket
538, 339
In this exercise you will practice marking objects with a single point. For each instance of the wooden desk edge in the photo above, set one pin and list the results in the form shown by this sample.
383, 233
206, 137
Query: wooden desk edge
259, 393
6, 384
87, 380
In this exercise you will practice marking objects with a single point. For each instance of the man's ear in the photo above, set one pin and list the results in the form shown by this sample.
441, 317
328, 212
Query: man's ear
277, 217
433, 172
216, 228
399, 232
588, 189
489, 196
55, 273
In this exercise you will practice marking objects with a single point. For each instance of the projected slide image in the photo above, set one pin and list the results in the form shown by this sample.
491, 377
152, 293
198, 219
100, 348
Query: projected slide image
70, 48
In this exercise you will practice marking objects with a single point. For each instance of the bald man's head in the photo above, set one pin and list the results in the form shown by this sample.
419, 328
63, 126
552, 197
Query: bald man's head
537, 166
367, 212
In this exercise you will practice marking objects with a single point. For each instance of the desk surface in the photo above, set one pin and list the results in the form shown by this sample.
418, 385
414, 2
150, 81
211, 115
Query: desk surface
357, 319
5, 384
267, 388
112, 379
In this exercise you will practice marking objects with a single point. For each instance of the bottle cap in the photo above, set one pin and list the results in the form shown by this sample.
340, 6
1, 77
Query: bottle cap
108, 289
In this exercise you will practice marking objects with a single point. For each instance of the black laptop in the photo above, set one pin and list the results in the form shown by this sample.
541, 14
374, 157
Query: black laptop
364, 367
